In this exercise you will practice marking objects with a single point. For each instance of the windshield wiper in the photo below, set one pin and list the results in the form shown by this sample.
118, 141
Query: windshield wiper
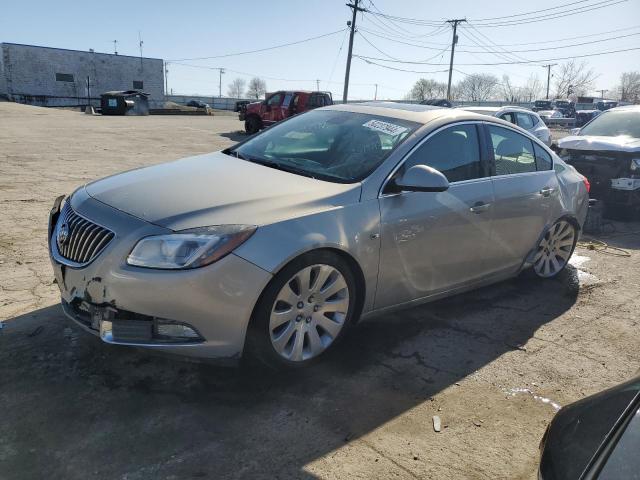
279, 166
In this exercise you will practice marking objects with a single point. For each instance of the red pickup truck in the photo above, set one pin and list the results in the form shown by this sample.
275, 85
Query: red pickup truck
280, 105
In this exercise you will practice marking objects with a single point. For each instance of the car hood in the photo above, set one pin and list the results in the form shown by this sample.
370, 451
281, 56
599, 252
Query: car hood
622, 143
217, 189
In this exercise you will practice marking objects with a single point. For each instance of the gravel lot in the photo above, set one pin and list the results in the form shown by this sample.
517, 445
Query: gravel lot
485, 362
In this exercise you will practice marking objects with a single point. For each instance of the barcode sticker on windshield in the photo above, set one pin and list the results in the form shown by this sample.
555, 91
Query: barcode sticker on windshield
385, 127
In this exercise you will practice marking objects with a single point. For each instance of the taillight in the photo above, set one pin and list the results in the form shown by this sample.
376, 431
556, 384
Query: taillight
586, 183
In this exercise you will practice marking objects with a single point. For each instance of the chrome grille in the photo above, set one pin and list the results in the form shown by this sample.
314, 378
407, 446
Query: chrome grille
79, 240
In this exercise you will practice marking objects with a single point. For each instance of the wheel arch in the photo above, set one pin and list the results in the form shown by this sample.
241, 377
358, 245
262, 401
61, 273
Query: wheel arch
565, 216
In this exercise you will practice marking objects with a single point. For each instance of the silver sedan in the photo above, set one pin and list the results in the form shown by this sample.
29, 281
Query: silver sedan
523, 117
277, 246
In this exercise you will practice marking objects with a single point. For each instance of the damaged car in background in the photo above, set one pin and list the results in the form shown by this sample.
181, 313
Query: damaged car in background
607, 152
277, 246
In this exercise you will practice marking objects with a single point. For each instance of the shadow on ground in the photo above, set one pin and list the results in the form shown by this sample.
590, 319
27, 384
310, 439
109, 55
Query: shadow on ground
237, 136
76, 408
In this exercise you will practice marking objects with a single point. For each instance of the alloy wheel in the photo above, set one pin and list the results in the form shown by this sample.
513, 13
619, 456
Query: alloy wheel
554, 249
309, 312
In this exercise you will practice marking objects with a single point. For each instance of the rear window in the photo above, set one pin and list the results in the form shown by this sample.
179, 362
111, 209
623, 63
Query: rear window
614, 124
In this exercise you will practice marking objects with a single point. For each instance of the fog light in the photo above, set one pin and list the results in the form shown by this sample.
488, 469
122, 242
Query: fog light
176, 331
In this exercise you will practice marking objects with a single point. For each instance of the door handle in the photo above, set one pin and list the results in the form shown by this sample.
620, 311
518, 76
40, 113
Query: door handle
546, 191
480, 207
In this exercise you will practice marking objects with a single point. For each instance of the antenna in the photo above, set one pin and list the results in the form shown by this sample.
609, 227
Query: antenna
115, 47
140, 43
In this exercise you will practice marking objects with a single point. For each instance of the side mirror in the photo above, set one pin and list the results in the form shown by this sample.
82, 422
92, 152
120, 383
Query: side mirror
575, 131
421, 178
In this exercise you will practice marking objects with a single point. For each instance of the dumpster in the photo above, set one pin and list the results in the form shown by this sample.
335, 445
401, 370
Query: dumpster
128, 102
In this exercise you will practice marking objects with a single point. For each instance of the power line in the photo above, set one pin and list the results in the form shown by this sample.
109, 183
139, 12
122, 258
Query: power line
260, 49
366, 60
422, 44
440, 52
528, 13
534, 19
514, 62
544, 18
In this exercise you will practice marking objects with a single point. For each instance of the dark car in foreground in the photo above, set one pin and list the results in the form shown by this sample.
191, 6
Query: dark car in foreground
278, 245
597, 437
607, 152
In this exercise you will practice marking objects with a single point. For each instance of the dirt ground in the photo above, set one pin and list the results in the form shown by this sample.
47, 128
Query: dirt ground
493, 364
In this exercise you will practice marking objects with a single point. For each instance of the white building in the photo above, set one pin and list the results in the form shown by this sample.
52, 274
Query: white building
59, 77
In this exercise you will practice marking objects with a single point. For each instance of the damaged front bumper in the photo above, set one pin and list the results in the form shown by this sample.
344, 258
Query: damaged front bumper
202, 312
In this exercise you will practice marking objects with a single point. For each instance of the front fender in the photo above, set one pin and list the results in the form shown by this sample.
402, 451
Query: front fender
352, 229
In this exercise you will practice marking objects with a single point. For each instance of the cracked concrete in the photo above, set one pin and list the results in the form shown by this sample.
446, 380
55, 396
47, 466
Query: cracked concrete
75, 408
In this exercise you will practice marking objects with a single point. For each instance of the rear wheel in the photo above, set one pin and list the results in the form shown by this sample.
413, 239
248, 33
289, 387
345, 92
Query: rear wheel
304, 311
252, 125
555, 249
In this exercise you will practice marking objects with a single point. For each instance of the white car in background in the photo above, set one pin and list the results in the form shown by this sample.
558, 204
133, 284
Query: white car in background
522, 117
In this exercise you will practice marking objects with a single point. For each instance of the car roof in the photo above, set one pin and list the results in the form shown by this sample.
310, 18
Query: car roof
512, 108
635, 108
414, 112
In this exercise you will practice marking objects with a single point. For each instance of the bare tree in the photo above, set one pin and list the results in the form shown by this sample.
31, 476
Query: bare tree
257, 88
533, 89
510, 92
573, 78
236, 88
629, 88
425, 88
477, 87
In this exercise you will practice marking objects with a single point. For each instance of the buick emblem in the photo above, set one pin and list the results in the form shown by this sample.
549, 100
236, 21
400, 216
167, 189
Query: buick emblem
62, 236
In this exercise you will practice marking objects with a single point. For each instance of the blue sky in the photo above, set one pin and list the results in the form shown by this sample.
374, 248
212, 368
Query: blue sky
193, 29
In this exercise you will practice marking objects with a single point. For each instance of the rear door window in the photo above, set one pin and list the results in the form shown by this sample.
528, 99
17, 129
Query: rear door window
454, 151
543, 159
509, 117
524, 120
513, 152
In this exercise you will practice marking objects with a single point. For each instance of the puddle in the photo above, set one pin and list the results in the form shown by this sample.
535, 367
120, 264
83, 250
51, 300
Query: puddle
515, 391
585, 279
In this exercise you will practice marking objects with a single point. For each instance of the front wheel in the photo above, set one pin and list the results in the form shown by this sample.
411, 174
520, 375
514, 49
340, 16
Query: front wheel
555, 249
304, 311
252, 125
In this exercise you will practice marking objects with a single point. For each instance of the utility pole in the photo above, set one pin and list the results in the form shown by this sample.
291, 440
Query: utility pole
88, 92
140, 43
548, 67
375, 95
166, 80
353, 6
115, 47
317, 85
221, 71
602, 92
454, 40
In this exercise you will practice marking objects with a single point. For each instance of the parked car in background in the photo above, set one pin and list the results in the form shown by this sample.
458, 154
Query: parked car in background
603, 105
197, 104
607, 152
241, 105
542, 105
277, 245
280, 105
585, 116
545, 115
597, 437
522, 117
567, 107
437, 102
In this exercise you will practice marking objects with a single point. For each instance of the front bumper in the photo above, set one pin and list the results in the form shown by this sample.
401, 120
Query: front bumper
124, 304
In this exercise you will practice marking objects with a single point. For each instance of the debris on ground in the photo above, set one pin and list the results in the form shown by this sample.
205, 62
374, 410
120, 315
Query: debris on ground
437, 424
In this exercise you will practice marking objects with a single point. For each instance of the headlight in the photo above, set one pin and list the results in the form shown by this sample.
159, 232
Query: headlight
635, 164
189, 248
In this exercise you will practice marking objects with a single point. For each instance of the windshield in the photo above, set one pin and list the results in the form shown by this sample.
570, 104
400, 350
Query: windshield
330, 145
614, 124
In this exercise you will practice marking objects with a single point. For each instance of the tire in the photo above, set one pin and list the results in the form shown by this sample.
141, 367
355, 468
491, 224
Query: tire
293, 325
252, 125
555, 249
